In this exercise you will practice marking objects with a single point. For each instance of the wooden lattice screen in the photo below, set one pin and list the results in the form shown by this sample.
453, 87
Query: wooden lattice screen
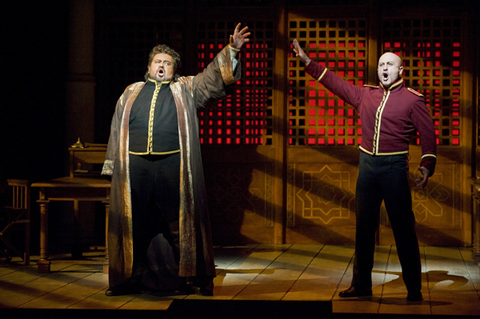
245, 117
316, 116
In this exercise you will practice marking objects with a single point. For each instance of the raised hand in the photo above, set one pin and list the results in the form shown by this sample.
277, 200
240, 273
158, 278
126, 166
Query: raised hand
299, 52
239, 37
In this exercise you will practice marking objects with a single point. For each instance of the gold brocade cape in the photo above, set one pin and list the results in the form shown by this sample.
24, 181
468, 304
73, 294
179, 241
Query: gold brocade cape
190, 93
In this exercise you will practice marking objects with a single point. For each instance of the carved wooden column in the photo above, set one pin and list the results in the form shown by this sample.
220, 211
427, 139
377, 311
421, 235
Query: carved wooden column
80, 86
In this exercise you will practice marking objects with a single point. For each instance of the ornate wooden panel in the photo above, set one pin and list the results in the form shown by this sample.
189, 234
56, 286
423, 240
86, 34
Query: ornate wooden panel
317, 120
324, 131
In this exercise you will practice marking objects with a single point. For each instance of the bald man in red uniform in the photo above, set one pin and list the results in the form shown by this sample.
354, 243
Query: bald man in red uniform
390, 114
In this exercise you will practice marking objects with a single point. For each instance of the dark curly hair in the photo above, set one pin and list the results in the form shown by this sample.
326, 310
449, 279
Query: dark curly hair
163, 48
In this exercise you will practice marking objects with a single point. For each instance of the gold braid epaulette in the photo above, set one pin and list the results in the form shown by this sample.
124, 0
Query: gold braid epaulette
415, 92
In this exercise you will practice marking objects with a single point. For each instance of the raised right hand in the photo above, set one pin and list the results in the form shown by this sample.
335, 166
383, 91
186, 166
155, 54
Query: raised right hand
300, 53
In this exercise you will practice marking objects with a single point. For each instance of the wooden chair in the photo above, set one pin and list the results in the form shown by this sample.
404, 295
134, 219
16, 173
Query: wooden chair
14, 214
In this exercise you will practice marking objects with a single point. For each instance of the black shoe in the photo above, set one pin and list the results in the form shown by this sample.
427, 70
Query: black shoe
185, 290
127, 288
203, 289
206, 291
414, 296
354, 292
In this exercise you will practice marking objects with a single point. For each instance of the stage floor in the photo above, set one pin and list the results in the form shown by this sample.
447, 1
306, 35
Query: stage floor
258, 277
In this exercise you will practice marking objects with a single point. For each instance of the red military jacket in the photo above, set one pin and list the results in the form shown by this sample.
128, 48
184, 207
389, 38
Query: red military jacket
389, 115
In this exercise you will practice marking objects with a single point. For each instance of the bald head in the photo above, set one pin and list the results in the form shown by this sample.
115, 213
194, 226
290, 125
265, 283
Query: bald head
389, 68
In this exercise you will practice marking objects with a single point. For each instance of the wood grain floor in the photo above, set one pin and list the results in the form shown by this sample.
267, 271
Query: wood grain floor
263, 280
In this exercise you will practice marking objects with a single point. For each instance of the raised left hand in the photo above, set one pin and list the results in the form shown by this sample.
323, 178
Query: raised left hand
239, 37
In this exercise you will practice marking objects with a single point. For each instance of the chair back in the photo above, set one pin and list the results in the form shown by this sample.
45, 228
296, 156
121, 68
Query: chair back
16, 211
18, 194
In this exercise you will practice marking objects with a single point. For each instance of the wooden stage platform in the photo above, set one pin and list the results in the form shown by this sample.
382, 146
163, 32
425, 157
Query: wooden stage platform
256, 281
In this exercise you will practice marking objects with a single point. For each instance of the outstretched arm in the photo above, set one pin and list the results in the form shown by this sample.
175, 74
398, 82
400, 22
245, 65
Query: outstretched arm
300, 53
239, 37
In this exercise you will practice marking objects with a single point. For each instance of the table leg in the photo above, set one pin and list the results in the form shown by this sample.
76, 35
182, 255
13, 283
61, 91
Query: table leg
77, 253
43, 263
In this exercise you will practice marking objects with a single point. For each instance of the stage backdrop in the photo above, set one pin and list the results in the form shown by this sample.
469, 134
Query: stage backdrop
281, 153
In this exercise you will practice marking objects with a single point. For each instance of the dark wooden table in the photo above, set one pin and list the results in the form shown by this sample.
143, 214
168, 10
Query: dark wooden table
75, 189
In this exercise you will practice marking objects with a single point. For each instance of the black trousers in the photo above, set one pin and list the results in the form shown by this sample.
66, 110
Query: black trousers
385, 178
155, 189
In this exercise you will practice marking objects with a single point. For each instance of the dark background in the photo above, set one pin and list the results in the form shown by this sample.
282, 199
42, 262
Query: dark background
34, 63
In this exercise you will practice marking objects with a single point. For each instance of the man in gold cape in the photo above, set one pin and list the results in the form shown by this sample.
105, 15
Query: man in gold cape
191, 246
